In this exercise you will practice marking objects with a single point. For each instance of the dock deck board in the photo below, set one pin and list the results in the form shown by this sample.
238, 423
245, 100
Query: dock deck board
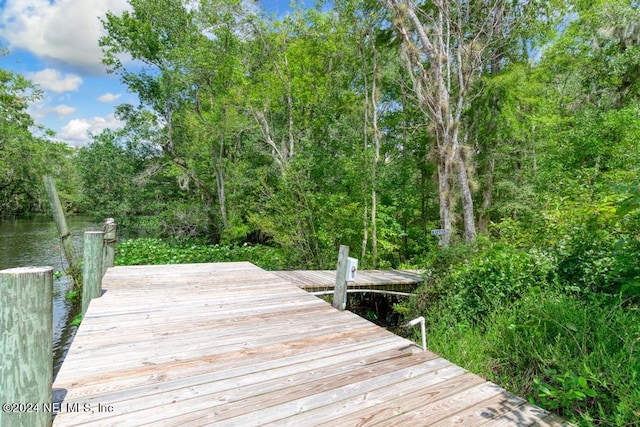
324, 280
231, 344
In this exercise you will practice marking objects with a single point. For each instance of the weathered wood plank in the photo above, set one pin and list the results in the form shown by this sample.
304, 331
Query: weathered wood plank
452, 400
424, 376
231, 344
550, 421
243, 369
404, 404
299, 399
324, 280
243, 394
161, 354
486, 410
525, 415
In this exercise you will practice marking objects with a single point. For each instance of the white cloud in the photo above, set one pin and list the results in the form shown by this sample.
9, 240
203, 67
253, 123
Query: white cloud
78, 131
54, 80
109, 97
65, 31
37, 109
63, 110
41, 109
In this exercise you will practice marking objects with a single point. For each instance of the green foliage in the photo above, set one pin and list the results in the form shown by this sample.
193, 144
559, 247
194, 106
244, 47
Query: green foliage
602, 261
124, 176
494, 276
25, 152
73, 296
564, 391
76, 320
580, 353
258, 129
267, 136
541, 329
144, 251
631, 202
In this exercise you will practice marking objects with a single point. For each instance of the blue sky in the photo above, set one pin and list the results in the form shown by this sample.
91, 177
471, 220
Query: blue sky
54, 44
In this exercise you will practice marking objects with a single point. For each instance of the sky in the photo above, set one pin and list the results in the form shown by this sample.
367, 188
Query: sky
54, 43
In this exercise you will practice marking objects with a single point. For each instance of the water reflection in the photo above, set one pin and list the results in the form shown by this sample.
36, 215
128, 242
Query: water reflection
34, 241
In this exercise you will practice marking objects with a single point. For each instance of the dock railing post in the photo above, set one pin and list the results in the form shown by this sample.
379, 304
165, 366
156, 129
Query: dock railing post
92, 267
26, 347
110, 238
340, 290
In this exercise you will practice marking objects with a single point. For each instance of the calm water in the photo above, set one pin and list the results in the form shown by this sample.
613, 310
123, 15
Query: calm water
34, 241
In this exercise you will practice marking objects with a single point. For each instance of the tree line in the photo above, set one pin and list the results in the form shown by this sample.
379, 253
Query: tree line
369, 124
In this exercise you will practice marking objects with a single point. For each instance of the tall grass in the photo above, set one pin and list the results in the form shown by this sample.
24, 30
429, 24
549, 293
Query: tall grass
510, 316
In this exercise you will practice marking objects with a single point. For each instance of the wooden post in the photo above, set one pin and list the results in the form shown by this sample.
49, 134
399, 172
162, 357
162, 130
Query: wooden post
110, 237
340, 289
26, 347
63, 230
92, 267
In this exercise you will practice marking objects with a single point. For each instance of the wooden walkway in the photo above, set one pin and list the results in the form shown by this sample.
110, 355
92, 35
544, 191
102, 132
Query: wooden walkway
233, 345
324, 280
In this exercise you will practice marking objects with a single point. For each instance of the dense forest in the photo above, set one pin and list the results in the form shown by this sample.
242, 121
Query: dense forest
512, 126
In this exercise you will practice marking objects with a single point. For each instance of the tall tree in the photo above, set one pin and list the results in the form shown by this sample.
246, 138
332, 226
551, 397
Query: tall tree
26, 153
446, 46
190, 78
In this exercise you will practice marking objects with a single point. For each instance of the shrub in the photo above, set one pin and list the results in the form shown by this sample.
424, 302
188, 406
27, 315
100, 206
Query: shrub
184, 251
492, 276
576, 356
555, 332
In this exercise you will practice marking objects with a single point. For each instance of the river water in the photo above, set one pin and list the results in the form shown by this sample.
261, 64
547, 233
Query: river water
34, 241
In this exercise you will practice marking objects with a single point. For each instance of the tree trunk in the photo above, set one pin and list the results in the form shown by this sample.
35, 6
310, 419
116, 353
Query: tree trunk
365, 139
220, 184
487, 195
376, 154
467, 201
365, 226
444, 197
374, 230
222, 198
444, 52
283, 72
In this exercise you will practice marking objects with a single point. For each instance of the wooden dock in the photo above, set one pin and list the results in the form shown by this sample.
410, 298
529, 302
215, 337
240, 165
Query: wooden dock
324, 280
233, 345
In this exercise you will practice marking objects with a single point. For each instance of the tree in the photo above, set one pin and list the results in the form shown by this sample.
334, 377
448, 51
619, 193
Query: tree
189, 79
446, 47
590, 74
25, 152
299, 131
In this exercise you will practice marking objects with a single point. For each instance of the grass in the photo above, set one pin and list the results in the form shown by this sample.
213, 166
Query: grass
510, 317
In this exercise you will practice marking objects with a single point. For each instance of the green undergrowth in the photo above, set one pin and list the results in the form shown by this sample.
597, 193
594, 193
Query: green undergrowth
183, 251
560, 327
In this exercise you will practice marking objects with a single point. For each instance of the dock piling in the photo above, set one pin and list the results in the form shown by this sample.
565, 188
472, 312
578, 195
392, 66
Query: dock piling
340, 290
109, 229
26, 347
92, 267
